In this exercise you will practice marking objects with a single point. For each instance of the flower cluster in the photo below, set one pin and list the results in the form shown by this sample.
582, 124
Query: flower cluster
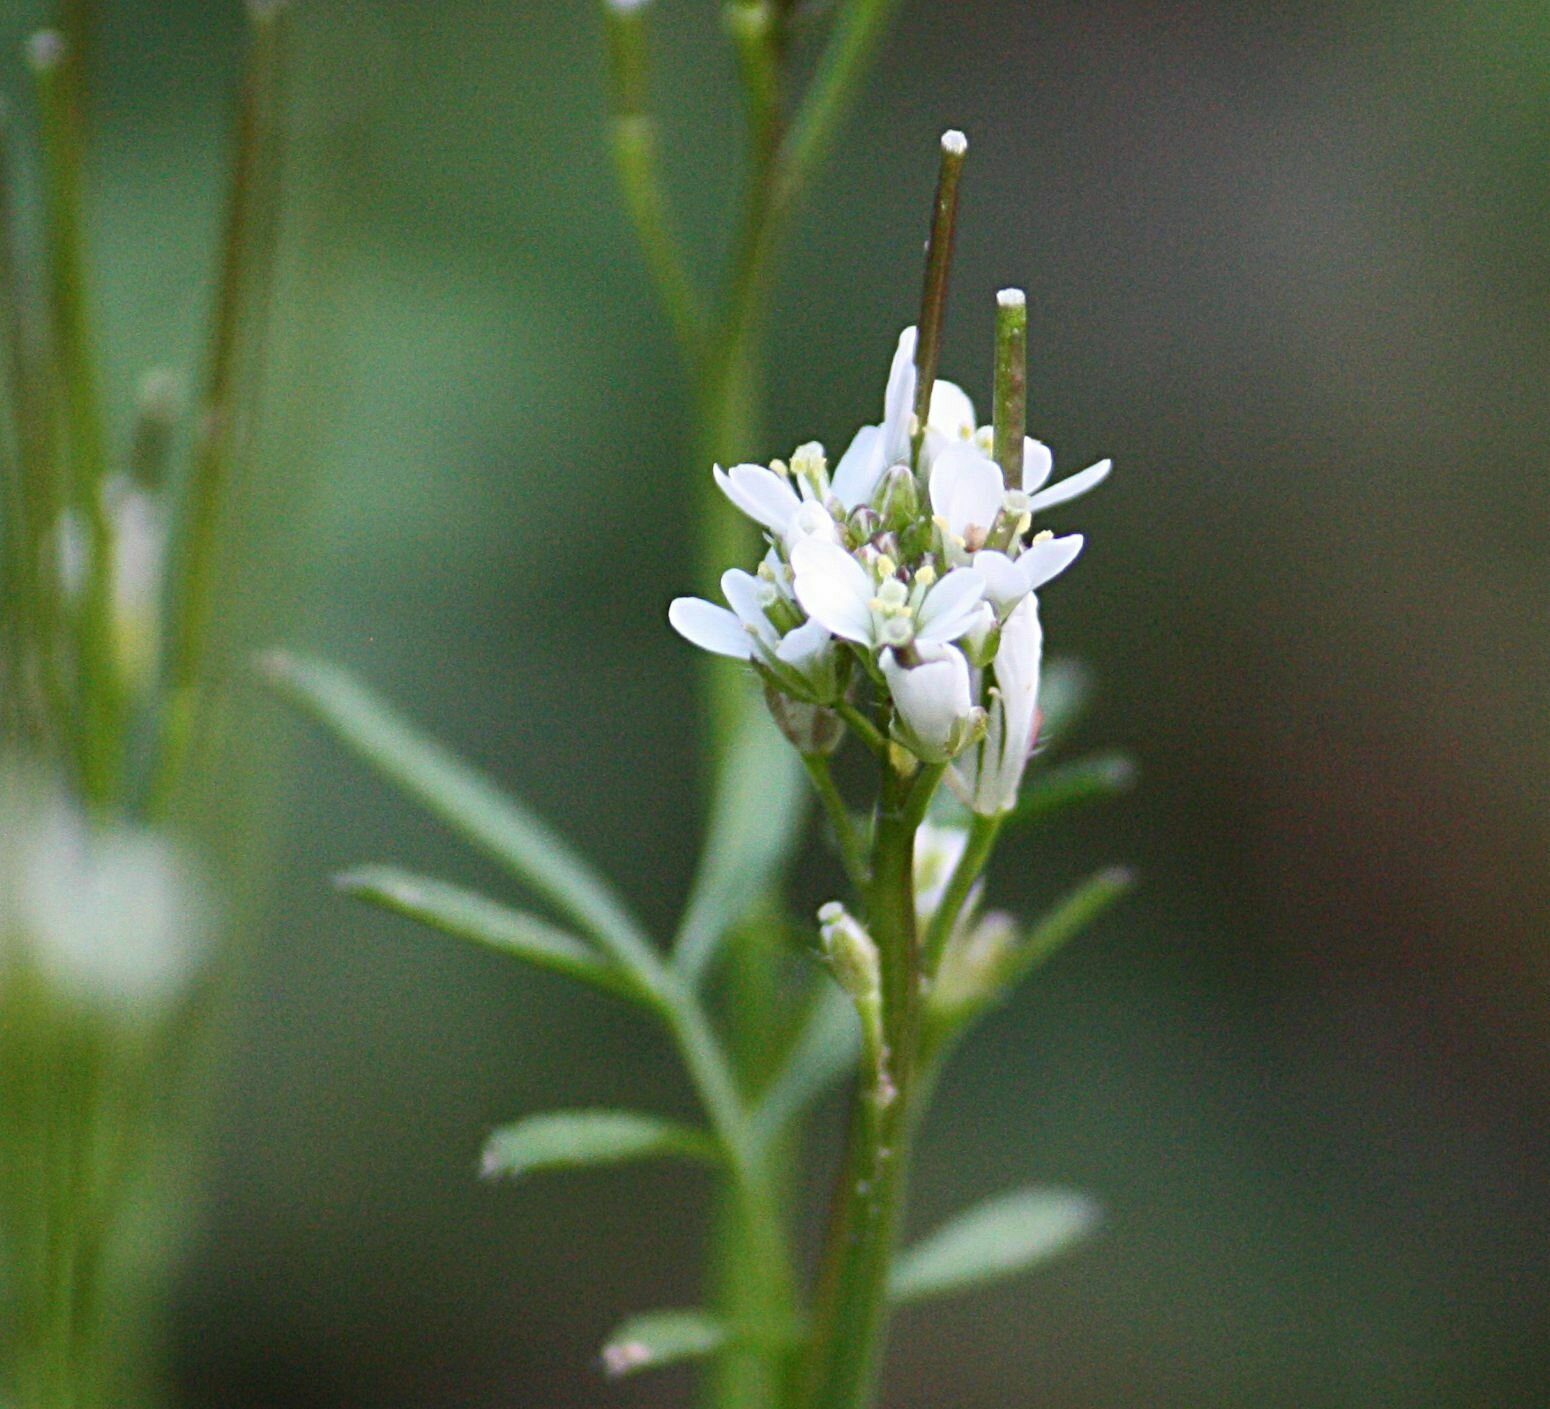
913, 564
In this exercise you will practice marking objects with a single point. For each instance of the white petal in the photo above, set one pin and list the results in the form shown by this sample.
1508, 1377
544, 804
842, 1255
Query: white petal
710, 627
761, 494
833, 588
747, 595
1047, 558
860, 467
1005, 585
950, 607
1038, 463
931, 697
1069, 488
899, 401
805, 646
1001, 758
966, 489
952, 413
811, 520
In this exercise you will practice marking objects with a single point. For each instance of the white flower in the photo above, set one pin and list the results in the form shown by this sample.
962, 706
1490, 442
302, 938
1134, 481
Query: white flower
803, 660
768, 499
838, 591
990, 773
1009, 580
937, 853
933, 700
875, 448
1038, 463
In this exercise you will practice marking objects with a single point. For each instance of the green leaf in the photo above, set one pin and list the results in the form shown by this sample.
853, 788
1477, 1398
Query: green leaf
993, 1240
575, 1139
657, 1338
463, 914
824, 1050
1072, 914
466, 801
755, 819
1051, 790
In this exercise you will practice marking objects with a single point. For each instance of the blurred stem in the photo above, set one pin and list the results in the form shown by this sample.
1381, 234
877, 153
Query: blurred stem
845, 834
982, 839
850, 1319
100, 694
227, 400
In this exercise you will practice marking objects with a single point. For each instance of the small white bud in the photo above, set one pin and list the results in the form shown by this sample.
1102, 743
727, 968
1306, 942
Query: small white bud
851, 952
954, 143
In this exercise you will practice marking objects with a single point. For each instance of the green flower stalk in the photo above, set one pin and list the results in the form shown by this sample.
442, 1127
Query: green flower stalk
107, 922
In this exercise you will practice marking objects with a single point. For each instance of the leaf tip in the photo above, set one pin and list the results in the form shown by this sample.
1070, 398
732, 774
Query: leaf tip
620, 1358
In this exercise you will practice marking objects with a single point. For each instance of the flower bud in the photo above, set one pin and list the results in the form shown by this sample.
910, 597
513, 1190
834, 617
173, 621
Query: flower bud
897, 498
931, 700
851, 952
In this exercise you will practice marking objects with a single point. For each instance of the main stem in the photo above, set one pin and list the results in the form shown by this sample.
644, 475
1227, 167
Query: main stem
852, 1313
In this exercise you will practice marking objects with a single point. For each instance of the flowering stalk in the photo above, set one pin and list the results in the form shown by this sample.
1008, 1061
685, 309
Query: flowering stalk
888, 595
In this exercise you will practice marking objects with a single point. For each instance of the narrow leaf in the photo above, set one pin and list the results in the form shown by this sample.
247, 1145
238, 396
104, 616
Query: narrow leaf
1051, 790
463, 914
657, 1338
824, 1050
755, 818
993, 1240
465, 800
573, 1139
1073, 914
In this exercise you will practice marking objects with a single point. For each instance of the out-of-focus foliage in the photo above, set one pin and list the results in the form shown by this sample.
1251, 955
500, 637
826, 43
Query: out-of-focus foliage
1287, 264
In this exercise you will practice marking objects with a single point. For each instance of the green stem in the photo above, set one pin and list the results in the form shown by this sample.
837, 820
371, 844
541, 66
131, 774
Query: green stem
845, 834
864, 729
982, 838
1011, 384
933, 295
226, 401
851, 1317
753, 1249
100, 700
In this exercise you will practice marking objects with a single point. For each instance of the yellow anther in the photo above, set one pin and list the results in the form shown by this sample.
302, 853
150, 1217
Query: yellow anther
886, 567
925, 576
1043, 536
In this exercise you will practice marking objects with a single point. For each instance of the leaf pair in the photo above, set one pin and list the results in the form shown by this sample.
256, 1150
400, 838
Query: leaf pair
997, 1239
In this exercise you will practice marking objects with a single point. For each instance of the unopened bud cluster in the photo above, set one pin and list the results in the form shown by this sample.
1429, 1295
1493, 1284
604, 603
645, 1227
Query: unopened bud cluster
911, 563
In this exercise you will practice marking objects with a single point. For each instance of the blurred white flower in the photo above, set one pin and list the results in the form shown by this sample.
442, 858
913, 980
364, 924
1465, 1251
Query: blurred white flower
113, 917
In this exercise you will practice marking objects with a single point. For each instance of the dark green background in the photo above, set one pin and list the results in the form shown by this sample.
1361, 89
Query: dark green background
1288, 266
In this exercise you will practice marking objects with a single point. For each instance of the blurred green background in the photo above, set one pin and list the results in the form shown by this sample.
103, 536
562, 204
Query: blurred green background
1288, 265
